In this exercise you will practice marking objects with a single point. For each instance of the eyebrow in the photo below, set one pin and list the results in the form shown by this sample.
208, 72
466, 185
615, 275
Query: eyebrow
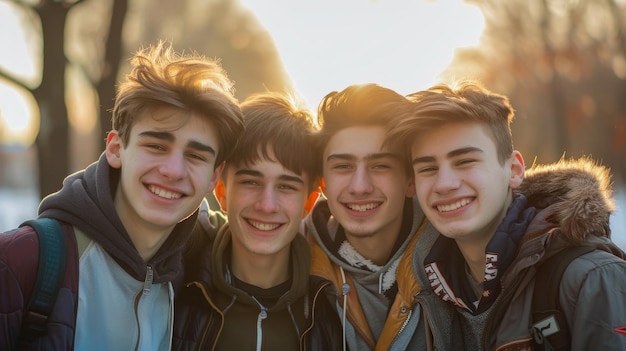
283, 177
453, 153
369, 157
167, 136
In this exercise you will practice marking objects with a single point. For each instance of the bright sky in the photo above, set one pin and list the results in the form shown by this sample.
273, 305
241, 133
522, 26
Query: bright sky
325, 45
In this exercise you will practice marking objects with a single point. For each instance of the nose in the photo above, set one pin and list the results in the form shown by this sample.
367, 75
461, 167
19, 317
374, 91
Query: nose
446, 181
174, 166
268, 201
361, 181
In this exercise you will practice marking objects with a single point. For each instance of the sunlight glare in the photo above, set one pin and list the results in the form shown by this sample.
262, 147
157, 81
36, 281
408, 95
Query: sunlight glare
17, 125
326, 45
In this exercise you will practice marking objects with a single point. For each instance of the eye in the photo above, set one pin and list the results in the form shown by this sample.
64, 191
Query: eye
426, 170
157, 147
341, 166
196, 156
288, 187
466, 161
381, 166
248, 182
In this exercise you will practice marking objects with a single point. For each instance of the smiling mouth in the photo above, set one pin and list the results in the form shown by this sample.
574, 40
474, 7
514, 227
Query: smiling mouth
264, 226
453, 206
363, 207
164, 193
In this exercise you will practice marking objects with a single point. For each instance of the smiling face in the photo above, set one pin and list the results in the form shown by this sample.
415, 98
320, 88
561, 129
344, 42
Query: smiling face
365, 186
265, 204
167, 168
461, 186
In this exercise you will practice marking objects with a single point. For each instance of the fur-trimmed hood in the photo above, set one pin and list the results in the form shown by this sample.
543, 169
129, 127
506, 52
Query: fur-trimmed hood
579, 192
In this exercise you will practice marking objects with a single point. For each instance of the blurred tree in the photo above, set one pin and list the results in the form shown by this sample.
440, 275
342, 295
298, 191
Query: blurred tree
53, 142
563, 65
93, 38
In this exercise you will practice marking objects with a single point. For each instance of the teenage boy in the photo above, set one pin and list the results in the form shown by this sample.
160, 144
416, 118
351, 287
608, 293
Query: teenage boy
498, 229
175, 121
250, 287
364, 232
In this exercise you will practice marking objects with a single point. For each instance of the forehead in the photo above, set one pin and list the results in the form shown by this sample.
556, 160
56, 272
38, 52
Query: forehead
174, 120
453, 136
358, 141
264, 168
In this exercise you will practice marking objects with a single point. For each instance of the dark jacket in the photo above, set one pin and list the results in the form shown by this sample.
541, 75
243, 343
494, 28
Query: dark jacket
85, 204
200, 311
560, 205
19, 253
403, 320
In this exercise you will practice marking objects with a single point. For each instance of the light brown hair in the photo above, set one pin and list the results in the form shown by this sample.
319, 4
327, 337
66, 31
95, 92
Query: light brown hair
359, 105
465, 101
160, 78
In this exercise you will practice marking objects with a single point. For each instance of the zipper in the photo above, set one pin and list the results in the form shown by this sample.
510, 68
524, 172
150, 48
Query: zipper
147, 283
404, 324
203, 339
319, 290
147, 286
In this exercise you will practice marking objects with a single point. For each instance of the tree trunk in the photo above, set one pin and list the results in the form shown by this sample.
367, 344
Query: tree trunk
113, 54
52, 141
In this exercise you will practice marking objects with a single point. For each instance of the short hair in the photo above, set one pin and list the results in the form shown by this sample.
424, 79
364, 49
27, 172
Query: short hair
358, 105
461, 102
278, 124
160, 77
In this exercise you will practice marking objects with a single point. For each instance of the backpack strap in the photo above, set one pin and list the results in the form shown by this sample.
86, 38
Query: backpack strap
550, 329
50, 272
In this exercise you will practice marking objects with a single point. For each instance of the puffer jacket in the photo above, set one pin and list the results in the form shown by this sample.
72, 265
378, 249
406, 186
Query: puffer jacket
570, 203
199, 321
404, 324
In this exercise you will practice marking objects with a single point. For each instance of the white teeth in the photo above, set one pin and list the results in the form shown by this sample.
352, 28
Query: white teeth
164, 193
263, 226
454, 206
362, 208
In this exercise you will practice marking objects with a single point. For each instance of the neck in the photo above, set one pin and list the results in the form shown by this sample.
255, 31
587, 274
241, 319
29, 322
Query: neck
474, 253
376, 248
263, 271
147, 241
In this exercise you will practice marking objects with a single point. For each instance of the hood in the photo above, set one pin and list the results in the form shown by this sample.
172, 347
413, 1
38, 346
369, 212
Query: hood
86, 201
220, 273
579, 194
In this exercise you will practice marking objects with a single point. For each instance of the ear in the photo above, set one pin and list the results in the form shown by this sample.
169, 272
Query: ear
310, 202
217, 173
517, 170
410, 190
322, 186
220, 194
113, 148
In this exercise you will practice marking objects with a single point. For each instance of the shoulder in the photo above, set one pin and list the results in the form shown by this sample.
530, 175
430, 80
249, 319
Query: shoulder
596, 268
19, 247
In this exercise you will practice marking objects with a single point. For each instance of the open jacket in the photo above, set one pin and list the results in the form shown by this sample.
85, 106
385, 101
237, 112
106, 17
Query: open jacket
199, 320
559, 205
404, 325
119, 298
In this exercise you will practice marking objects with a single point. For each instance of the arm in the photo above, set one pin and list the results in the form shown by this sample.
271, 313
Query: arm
593, 298
18, 266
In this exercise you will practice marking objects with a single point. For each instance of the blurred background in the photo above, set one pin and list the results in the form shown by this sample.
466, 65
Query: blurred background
561, 62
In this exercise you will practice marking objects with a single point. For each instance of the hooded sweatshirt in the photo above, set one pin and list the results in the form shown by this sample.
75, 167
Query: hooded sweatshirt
124, 302
216, 311
378, 305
